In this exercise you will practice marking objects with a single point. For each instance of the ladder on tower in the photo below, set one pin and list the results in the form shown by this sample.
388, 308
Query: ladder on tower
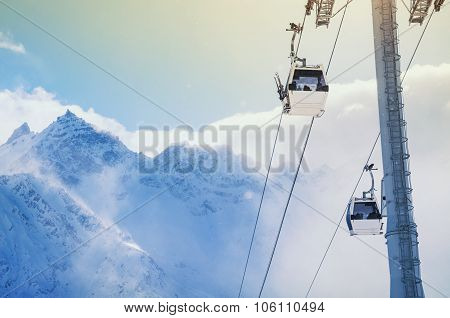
324, 11
406, 228
419, 10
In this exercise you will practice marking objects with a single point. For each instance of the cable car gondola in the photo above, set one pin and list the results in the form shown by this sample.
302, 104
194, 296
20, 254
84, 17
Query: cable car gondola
307, 86
307, 90
363, 214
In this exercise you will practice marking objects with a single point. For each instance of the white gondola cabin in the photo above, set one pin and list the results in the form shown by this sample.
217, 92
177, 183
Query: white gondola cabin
364, 216
307, 90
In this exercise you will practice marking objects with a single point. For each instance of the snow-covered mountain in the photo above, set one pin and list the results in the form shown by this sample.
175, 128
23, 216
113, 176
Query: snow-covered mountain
69, 148
19, 132
183, 228
51, 246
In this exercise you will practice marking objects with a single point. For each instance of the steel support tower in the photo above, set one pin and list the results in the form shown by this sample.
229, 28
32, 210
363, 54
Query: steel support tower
419, 10
401, 233
324, 12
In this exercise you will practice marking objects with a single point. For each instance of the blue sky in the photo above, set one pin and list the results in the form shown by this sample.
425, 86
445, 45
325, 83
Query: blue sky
200, 60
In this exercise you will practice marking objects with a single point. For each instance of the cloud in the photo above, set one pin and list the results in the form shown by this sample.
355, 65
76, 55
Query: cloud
348, 127
40, 108
8, 44
341, 140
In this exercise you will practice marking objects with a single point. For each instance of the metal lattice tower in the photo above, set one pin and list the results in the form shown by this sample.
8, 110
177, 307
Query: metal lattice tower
401, 234
438, 4
324, 12
419, 10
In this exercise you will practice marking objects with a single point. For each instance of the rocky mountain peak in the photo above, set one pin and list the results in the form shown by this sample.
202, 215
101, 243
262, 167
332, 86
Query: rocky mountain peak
23, 130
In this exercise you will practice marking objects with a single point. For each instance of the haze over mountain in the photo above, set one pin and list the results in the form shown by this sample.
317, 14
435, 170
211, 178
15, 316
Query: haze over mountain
183, 229
42, 225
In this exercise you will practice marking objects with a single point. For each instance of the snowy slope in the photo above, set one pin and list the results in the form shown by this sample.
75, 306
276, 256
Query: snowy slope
39, 224
19, 132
